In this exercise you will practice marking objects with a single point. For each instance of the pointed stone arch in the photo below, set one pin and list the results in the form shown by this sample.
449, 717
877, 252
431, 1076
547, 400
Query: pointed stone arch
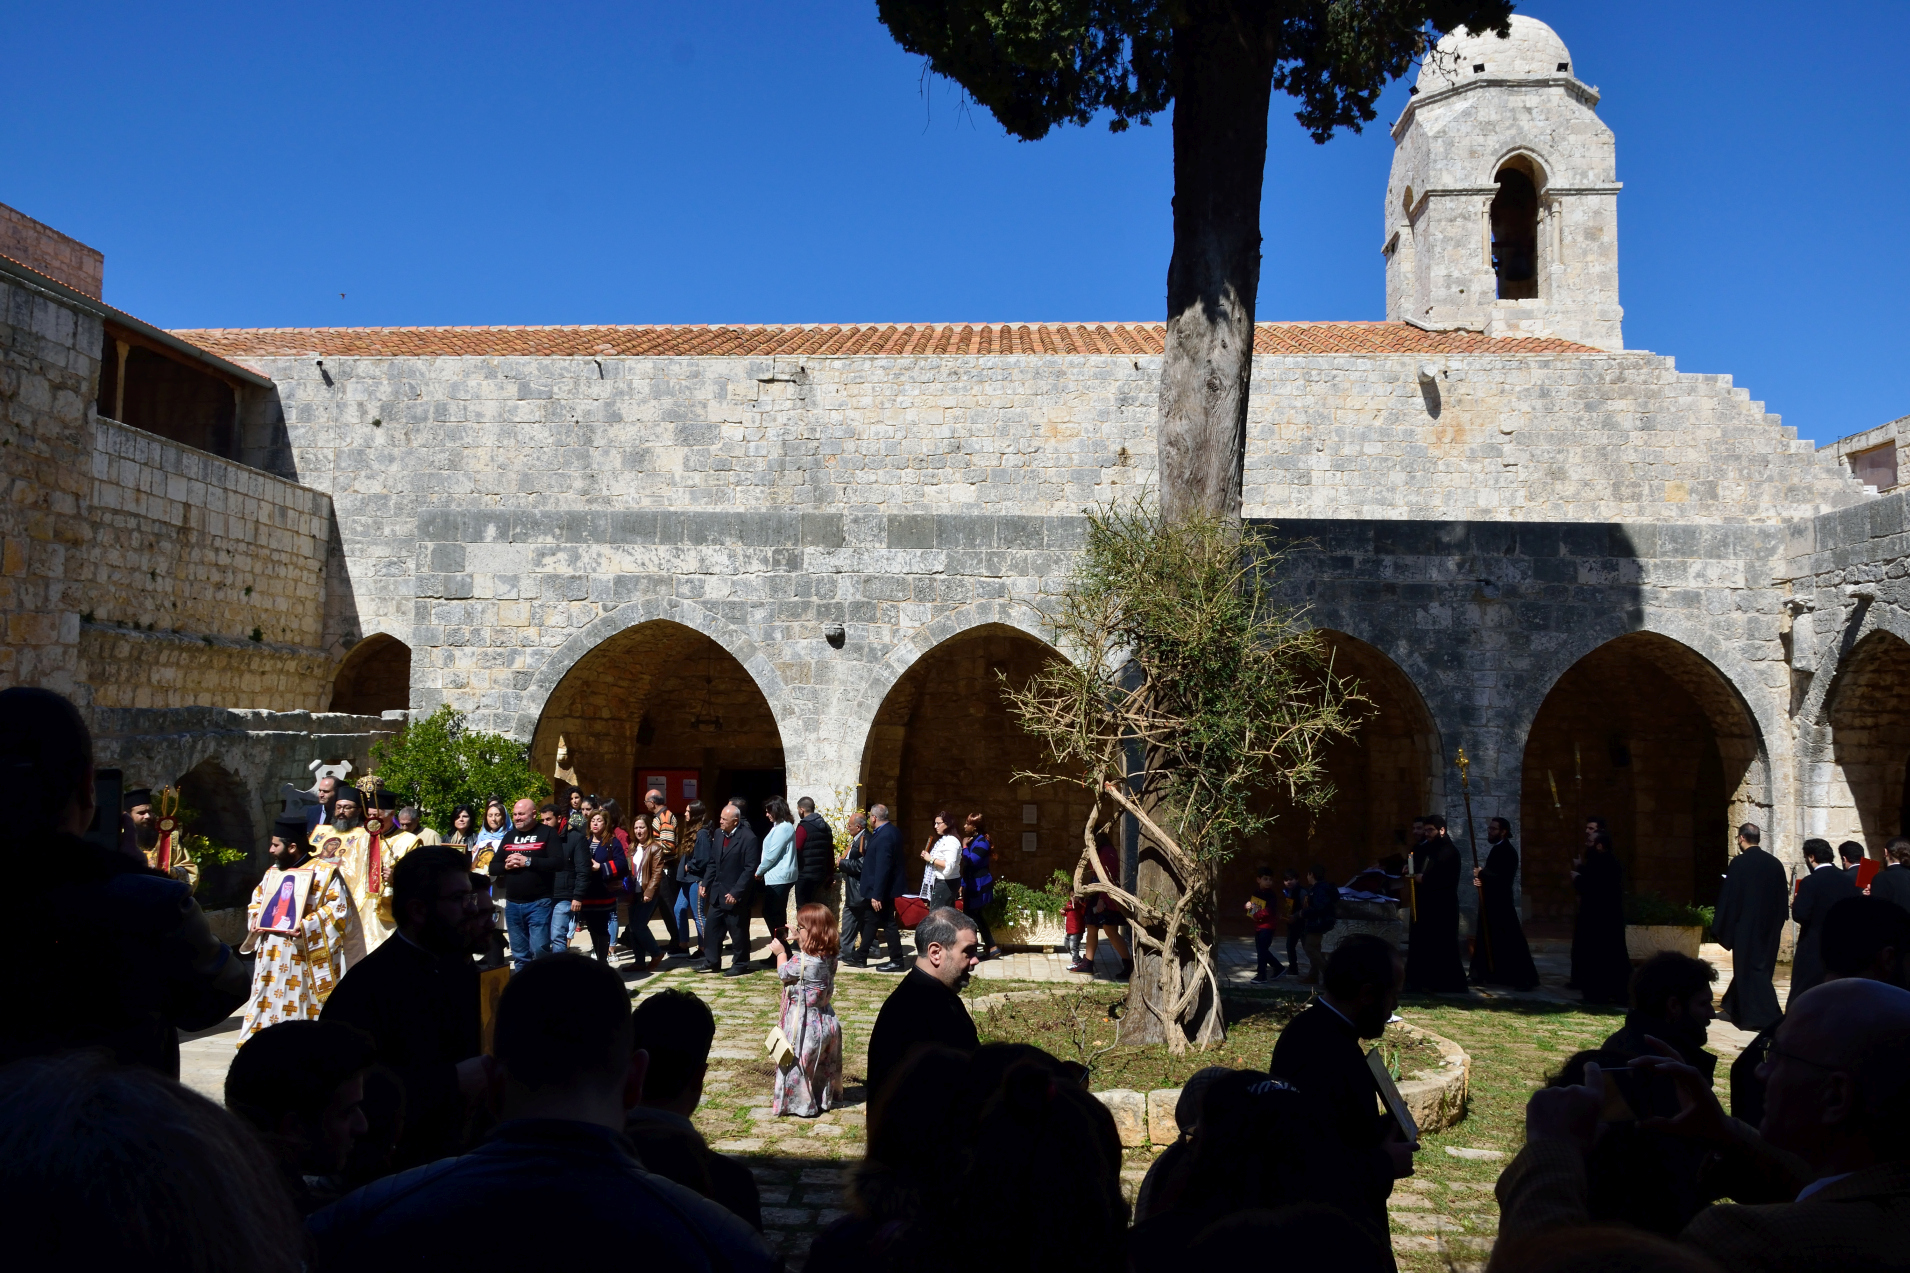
1647, 732
943, 739
655, 698
1387, 773
374, 677
1861, 794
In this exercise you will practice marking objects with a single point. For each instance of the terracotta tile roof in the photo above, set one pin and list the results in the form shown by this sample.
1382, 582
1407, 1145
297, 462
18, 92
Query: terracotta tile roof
823, 339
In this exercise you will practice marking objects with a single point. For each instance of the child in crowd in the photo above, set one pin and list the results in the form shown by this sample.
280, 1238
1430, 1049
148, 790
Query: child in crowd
810, 1081
1260, 906
1292, 902
1322, 899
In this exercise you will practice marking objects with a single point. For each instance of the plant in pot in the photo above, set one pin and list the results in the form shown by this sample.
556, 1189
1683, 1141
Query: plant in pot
1024, 916
1654, 923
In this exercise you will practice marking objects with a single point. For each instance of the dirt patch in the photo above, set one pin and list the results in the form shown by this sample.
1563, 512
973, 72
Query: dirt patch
1079, 1026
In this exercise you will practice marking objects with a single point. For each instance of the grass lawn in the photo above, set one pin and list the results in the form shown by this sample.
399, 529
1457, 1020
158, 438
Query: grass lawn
1442, 1216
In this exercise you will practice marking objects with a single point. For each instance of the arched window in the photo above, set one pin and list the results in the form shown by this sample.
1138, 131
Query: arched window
375, 677
1515, 231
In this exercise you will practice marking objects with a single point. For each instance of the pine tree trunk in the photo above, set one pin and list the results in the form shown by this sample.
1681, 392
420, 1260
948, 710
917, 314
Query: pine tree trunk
1224, 82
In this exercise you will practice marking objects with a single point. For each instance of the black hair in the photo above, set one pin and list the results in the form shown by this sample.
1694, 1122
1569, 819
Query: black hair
45, 752
806, 805
293, 1068
777, 809
1317, 871
1259, 871
1668, 975
562, 1018
1435, 820
1819, 851
1850, 851
676, 1028
1360, 961
1858, 929
1751, 833
415, 878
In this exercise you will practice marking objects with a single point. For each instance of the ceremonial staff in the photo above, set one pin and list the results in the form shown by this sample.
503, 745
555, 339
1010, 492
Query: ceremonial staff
1472, 838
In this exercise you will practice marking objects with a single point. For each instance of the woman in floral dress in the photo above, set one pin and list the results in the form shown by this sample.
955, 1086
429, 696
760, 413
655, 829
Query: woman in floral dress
812, 1082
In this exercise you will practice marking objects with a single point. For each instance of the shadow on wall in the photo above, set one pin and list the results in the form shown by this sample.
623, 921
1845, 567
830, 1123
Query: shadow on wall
224, 814
374, 678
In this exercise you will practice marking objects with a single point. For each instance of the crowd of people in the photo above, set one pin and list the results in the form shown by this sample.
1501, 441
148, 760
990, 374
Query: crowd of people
437, 1097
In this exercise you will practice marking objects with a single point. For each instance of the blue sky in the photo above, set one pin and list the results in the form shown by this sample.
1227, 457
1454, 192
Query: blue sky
735, 161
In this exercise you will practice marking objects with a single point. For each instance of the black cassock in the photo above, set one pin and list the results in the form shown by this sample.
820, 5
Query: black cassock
1600, 967
1752, 908
1817, 892
1500, 956
1433, 962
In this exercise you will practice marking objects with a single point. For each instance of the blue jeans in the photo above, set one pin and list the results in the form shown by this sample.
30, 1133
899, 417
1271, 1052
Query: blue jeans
529, 926
689, 910
563, 924
641, 939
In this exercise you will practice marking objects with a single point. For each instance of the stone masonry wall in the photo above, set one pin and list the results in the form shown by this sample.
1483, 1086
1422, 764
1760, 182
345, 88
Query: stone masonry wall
197, 548
1591, 437
58, 256
49, 364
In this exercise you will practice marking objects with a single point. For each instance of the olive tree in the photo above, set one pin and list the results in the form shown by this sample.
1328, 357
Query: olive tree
1038, 63
1189, 700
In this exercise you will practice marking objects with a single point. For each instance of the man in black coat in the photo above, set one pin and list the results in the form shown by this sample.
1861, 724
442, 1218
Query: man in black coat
1501, 957
1433, 962
417, 997
734, 857
1750, 923
99, 949
815, 855
1822, 889
1892, 883
926, 1006
1320, 1053
882, 871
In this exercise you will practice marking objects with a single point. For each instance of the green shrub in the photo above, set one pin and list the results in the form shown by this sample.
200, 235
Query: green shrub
1655, 909
1018, 906
438, 764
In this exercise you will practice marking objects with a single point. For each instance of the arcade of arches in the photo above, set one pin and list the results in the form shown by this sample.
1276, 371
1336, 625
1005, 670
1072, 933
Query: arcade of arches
1645, 732
1384, 776
1867, 797
945, 740
661, 698
374, 677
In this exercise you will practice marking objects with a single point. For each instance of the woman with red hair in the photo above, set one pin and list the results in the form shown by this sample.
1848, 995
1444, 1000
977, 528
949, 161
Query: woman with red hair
809, 1073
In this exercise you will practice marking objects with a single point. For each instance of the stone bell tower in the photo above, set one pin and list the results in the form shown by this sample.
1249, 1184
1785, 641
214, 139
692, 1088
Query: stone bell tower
1502, 209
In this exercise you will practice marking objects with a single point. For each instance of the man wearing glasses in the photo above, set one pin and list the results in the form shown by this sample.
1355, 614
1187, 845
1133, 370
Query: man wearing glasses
417, 997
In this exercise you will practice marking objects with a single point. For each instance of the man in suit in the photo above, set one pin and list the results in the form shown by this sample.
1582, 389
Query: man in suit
881, 869
1822, 889
726, 885
1893, 882
1321, 1055
1823, 1184
1750, 924
926, 1008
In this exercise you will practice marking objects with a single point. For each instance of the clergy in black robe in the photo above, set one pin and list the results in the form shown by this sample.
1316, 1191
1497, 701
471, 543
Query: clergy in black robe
1750, 923
1817, 892
1501, 957
1601, 969
1433, 962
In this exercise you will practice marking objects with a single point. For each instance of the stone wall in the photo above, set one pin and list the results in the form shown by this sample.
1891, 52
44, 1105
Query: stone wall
58, 256
49, 361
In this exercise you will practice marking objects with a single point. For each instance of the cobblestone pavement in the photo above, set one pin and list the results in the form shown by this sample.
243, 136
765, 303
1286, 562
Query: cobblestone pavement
1443, 1217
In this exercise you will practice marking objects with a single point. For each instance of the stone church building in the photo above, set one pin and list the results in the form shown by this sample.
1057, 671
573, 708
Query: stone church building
796, 558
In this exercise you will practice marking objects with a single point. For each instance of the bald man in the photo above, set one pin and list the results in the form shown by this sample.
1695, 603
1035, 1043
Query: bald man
1832, 1153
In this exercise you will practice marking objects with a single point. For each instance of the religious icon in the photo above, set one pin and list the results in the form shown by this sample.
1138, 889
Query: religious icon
281, 913
334, 845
